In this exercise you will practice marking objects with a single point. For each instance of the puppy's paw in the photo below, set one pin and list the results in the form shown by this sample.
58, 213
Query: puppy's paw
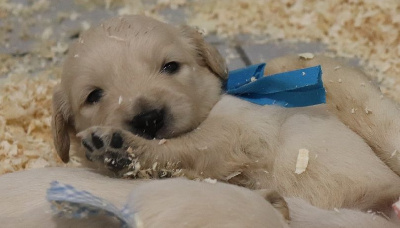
107, 145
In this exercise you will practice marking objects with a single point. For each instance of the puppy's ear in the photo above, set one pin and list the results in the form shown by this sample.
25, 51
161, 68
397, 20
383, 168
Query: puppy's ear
208, 55
276, 200
60, 125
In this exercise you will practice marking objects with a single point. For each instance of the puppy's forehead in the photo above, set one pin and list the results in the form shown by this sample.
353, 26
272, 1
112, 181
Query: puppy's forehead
134, 38
129, 27
134, 32
130, 42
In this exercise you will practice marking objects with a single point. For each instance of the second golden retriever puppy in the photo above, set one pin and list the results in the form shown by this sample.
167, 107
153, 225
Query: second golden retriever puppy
134, 79
161, 203
164, 203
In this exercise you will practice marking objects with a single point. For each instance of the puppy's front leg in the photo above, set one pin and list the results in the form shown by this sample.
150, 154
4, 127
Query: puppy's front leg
210, 151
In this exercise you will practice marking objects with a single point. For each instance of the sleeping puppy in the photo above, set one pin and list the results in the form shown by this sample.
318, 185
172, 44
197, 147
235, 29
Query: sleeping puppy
157, 203
165, 203
133, 81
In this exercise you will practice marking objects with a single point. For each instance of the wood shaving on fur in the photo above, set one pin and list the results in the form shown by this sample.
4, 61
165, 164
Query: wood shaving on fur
302, 161
232, 175
210, 180
135, 170
396, 207
162, 141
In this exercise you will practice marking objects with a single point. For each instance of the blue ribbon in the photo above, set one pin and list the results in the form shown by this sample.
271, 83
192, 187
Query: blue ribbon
296, 88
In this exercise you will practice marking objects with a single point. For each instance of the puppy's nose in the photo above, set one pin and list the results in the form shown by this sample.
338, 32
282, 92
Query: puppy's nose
148, 123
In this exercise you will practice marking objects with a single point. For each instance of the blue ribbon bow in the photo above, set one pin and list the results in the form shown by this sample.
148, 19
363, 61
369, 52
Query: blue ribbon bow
296, 88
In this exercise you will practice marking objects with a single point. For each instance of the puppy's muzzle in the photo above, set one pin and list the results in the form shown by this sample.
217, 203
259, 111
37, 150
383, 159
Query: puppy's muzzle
147, 124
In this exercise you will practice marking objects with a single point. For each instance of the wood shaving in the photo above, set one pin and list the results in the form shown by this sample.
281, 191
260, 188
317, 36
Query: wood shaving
396, 208
129, 150
302, 161
203, 148
135, 170
233, 175
138, 221
162, 141
306, 56
393, 154
210, 180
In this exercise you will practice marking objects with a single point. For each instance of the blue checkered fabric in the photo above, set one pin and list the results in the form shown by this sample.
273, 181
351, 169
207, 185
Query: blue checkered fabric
69, 202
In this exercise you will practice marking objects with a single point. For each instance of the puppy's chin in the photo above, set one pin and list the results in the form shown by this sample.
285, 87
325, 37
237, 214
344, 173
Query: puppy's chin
166, 133
170, 130
163, 133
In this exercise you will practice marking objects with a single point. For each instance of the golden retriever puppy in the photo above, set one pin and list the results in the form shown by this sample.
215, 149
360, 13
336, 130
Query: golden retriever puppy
165, 203
133, 81
157, 203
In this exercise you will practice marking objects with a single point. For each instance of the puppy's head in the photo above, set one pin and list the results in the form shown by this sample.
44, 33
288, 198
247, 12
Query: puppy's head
138, 74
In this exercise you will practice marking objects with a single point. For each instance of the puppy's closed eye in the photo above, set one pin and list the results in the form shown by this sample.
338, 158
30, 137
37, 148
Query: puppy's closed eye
94, 96
171, 67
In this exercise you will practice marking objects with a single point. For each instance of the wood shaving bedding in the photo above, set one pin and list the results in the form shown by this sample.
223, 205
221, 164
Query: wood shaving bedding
25, 119
17, 9
365, 29
302, 161
126, 7
25, 113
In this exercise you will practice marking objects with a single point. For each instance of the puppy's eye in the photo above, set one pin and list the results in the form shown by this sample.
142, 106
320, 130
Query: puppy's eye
170, 67
94, 96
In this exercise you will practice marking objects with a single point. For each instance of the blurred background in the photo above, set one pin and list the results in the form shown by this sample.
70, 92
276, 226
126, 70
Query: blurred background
35, 35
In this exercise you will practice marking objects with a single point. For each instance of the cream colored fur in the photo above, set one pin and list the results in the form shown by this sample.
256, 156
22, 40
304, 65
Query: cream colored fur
304, 215
23, 196
167, 203
215, 135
